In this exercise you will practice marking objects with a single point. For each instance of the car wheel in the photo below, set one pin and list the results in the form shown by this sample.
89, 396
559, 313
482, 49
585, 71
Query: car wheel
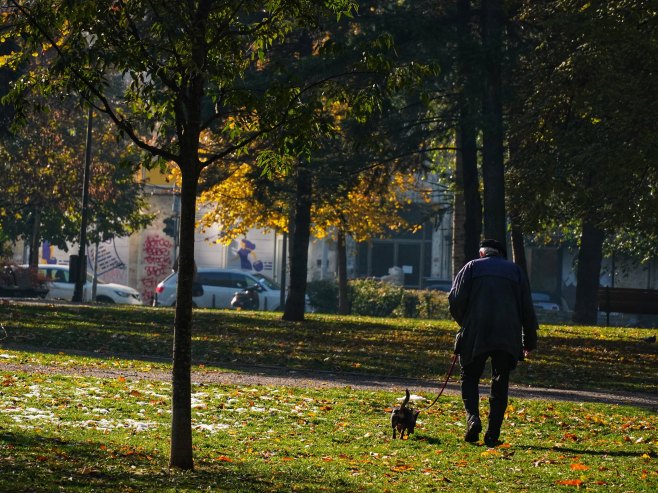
104, 299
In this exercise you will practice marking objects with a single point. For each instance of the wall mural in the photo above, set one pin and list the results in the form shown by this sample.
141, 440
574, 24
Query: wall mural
156, 264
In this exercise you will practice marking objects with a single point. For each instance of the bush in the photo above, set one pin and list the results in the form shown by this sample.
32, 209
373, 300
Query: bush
375, 298
323, 296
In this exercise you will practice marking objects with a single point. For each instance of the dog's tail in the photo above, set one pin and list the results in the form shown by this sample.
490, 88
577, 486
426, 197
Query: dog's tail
406, 399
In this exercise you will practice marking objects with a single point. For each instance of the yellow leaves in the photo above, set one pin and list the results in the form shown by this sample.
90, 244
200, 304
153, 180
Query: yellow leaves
8, 381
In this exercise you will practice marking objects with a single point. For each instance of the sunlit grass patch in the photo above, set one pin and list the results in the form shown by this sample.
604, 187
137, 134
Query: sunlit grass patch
91, 434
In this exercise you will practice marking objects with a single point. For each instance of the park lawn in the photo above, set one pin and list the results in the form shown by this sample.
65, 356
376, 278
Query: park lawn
74, 433
89, 434
610, 359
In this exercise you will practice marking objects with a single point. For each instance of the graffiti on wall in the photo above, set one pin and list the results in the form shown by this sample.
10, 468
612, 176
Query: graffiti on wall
109, 266
244, 256
156, 264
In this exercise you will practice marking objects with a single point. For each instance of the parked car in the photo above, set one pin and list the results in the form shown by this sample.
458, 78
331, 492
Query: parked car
438, 284
17, 281
542, 301
60, 287
215, 288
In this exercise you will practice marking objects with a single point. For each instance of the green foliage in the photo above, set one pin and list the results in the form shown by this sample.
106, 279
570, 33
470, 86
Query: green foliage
583, 133
323, 295
375, 298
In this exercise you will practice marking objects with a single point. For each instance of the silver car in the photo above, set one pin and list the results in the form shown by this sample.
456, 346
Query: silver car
215, 289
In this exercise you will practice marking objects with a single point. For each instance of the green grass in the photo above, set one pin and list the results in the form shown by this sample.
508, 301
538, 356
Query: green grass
569, 357
82, 434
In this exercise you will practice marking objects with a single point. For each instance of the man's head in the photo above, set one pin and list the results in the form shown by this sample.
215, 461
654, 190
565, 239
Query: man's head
490, 248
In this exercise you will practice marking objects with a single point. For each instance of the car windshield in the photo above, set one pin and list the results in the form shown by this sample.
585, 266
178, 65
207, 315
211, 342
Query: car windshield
266, 281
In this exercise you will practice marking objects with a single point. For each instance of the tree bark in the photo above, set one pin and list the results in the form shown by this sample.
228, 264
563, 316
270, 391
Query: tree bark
300, 237
343, 302
467, 220
590, 257
181, 455
518, 248
493, 173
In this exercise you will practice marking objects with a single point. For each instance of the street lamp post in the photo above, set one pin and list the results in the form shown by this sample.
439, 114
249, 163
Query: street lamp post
81, 269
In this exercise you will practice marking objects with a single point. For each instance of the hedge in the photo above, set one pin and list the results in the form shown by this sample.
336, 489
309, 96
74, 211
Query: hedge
371, 297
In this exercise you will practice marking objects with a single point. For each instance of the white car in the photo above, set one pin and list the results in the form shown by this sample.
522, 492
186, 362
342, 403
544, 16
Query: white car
57, 277
216, 287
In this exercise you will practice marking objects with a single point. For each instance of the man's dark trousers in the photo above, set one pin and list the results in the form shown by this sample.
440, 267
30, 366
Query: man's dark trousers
501, 365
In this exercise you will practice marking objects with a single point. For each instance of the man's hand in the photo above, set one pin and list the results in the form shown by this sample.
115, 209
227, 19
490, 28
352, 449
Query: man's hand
526, 353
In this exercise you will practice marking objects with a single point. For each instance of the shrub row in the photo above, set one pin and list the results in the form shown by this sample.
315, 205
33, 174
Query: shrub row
370, 297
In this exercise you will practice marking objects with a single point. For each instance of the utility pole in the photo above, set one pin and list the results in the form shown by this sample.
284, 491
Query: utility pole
81, 270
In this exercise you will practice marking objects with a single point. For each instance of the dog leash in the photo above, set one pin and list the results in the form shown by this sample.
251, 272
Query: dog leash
445, 384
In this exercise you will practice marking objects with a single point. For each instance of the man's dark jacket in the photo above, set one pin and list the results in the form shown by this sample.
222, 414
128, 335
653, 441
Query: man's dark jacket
491, 301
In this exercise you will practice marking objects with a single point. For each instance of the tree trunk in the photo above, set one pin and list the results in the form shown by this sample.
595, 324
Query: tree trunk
181, 419
467, 225
590, 257
300, 237
518, 248
472, 201
493, 173
343, 302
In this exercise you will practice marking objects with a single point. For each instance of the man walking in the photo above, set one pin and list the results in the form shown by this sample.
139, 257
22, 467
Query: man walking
490, 300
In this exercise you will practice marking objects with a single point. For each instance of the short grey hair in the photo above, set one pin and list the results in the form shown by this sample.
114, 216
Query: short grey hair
489, 251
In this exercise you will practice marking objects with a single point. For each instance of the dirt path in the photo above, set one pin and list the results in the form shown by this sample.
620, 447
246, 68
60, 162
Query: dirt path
278, 376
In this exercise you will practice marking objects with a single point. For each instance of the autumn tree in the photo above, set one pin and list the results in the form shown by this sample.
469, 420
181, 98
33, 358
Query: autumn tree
183, 65
371, 205
42, 180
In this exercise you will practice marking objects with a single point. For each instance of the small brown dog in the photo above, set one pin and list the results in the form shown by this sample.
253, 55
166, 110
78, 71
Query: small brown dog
403, 418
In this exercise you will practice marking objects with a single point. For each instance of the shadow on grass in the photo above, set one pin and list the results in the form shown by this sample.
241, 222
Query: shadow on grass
30, 463
391, 348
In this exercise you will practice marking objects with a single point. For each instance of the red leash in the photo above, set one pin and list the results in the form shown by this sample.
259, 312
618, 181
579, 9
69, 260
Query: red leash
445, 384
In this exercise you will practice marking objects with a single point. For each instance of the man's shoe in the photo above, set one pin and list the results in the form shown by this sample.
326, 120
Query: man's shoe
491, 441
473, 429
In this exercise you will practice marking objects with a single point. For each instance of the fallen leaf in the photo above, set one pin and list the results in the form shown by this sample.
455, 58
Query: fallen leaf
223, 458
571, 482
577, 466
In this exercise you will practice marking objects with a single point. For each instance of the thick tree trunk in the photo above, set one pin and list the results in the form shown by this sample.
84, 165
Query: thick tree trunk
300, 237
590, 257
472, 201
181, 456
468, 209
493, 174
343, 302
